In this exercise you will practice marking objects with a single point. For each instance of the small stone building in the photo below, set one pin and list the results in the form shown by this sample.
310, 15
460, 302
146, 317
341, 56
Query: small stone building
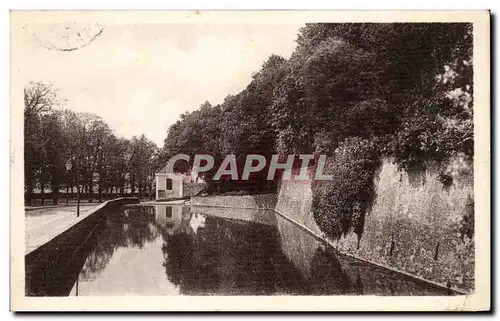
176, 186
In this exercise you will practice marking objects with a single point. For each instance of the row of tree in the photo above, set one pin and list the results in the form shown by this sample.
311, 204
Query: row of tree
62, 147
405, 86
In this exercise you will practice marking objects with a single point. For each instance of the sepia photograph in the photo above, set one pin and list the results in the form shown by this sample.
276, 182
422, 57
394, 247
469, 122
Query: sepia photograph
258, 161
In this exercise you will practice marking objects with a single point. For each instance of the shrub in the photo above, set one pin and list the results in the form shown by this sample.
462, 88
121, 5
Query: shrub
339, 206
422, 140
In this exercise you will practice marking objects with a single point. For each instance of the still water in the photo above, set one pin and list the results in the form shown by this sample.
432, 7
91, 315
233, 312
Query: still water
176, 250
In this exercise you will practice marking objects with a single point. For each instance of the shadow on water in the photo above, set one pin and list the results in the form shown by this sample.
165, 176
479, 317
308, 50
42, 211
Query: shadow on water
328, 272
131, 227
53, 269
229, 257
189, 253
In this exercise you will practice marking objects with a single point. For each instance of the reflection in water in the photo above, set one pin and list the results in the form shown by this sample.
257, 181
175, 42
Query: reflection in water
168, 250
229, 257
329, 272
132, 227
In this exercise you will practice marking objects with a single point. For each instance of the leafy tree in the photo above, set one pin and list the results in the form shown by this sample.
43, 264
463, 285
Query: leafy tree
39, 99
100, 160
54, 154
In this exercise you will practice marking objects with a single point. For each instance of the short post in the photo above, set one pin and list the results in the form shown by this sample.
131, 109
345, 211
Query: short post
68, 168
77, 195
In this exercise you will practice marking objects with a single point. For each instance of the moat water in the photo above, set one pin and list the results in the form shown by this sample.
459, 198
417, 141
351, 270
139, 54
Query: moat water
178, 250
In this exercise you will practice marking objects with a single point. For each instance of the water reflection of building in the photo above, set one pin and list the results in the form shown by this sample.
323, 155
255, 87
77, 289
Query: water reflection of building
168, 217
172, 219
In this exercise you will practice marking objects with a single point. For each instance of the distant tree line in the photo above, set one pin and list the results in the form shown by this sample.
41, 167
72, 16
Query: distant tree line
62, 147
357, 92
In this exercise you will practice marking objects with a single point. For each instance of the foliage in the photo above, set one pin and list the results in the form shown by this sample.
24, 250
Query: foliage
356, 92
466, 225
56, 137
339, 206
241, 125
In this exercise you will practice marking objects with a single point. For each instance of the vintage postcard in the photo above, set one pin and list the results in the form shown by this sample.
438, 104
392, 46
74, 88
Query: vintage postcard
250, 161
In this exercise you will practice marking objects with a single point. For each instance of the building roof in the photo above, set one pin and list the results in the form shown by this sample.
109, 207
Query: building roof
164, 171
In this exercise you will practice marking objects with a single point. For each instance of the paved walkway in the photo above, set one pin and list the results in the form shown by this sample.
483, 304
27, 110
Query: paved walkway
29, 209
43, 224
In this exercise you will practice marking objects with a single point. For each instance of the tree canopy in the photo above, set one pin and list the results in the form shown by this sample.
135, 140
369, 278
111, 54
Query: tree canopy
55, 137
408, 84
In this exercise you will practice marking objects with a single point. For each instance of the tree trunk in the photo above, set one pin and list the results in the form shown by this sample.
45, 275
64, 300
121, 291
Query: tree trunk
42, 193
67, 194
91, 189
99, 189
132, 187
29, 195
141, 189
55, 194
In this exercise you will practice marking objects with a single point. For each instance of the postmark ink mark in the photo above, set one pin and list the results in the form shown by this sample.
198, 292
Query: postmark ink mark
67, 36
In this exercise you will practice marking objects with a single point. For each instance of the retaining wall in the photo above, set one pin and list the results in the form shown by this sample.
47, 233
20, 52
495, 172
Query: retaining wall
257, 201
261, 216
412, 227
50, 268
191, 189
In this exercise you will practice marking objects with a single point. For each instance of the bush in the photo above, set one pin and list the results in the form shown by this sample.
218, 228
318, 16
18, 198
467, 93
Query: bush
339, 206
423, 139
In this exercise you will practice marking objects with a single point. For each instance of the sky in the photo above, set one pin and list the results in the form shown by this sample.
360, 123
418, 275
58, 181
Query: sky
140, 77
